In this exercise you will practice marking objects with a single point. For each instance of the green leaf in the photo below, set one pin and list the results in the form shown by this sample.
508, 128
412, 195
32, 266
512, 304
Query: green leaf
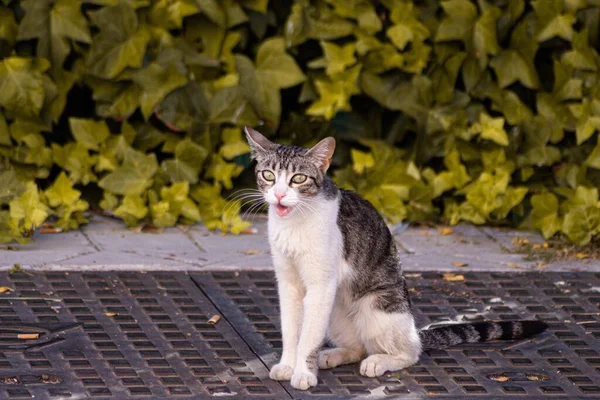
491, 129
334, 95
121, 42
75, 158
170, 13
551, 21
10, 187
484, 35
4, 132
233, 143
588, 119
400, 35
21, 85
338, 58
361, 160
213, 10
276, 66
581, 223
8, 26
61, 192
54, 24
461, 15
582, 56
132, 209
91, 134
230, 105
544, 215
593, 159
27, 212
134, 176
261, 93
222, 171
156, 83
511, 67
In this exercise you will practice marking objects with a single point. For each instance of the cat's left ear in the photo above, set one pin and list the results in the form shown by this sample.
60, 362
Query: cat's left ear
323, 151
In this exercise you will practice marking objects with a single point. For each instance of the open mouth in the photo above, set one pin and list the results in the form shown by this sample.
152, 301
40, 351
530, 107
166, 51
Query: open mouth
282, 210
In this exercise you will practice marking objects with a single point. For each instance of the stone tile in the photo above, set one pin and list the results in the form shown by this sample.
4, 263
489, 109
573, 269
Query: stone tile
47, 248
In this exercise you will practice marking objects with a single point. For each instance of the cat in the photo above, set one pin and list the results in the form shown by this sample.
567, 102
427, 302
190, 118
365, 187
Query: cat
339, 274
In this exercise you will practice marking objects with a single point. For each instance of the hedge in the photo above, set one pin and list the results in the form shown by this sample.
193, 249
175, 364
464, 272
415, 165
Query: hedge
480, 111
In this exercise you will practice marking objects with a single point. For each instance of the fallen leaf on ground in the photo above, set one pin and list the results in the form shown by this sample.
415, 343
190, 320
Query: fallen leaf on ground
499, 377
50, 230
581, 256
541, 266
214, 319
513, 265
110, 314
537, 377
4, 289
450, 277
446, 231
251, 252
424, 233
249, 231
459, 264
520, 240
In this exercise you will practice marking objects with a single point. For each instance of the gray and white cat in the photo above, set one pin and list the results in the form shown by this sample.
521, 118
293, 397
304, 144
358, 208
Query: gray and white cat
339, 274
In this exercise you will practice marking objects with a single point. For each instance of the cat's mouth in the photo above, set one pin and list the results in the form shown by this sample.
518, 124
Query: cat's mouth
282, 210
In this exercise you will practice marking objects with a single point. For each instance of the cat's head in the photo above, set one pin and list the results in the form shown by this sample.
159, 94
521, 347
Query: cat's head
289, 177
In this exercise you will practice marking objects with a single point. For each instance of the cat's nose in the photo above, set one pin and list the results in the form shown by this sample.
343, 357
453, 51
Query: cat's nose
279, 196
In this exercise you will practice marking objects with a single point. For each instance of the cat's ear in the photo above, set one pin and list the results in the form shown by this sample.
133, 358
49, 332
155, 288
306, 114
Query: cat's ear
258, 143
323, 151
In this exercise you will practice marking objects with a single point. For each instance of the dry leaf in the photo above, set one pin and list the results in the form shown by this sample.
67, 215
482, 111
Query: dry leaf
581, 256
50, 230
249, 231
541, 266
520, 240
513, 265
499, 377
450, 277
214, 319
545, 245
251, 252
28, 336
4, 289
424, 233
459, 264
111, 314
446, 231
537, 377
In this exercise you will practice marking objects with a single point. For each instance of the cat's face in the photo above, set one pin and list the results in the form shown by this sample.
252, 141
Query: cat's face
289, 177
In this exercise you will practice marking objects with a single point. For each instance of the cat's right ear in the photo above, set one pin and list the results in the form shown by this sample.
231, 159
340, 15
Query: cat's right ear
259, 145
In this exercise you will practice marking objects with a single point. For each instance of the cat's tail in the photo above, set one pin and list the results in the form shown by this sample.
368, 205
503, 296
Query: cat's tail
449, 335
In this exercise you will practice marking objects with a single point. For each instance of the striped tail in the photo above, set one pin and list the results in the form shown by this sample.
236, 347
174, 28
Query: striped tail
450, 335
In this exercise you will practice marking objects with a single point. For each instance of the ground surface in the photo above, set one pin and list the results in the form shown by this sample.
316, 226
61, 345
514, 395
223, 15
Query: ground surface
109, 313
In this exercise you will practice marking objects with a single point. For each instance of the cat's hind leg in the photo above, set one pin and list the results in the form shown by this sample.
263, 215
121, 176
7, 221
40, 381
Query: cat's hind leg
342, 334
390, 338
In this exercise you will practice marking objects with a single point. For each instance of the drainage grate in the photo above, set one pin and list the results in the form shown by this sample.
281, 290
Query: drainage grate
146, 335
120, 335
563, 362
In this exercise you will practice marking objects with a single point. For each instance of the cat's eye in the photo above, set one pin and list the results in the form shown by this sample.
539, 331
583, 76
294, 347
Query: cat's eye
299, 178
268, 175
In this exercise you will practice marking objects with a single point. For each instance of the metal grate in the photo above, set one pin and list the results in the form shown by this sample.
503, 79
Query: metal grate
562, 362
146, 335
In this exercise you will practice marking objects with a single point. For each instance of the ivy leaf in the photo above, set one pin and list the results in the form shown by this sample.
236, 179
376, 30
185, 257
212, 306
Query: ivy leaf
233, 143
361, 160
461, 15
230, 105
8, 26
307, 21
338, 58
588, 119
491, 129
276, 66
121, 42
485, 41
91, 134
544, 215
10, 186
27, 211
75, 158
61, 192
170, 14
582, 56
134, 176
260, 92
581, 223
53, 24
222, 171
132, 209
22, 85
334, 95
551, 20
593, 159
511, 67
156, 83
187, 164
213, 10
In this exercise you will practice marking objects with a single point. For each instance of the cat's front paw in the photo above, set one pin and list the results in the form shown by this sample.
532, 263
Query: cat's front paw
303, 380
281, 372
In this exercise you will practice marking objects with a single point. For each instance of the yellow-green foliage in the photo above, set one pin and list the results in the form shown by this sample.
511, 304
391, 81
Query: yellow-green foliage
484, 111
